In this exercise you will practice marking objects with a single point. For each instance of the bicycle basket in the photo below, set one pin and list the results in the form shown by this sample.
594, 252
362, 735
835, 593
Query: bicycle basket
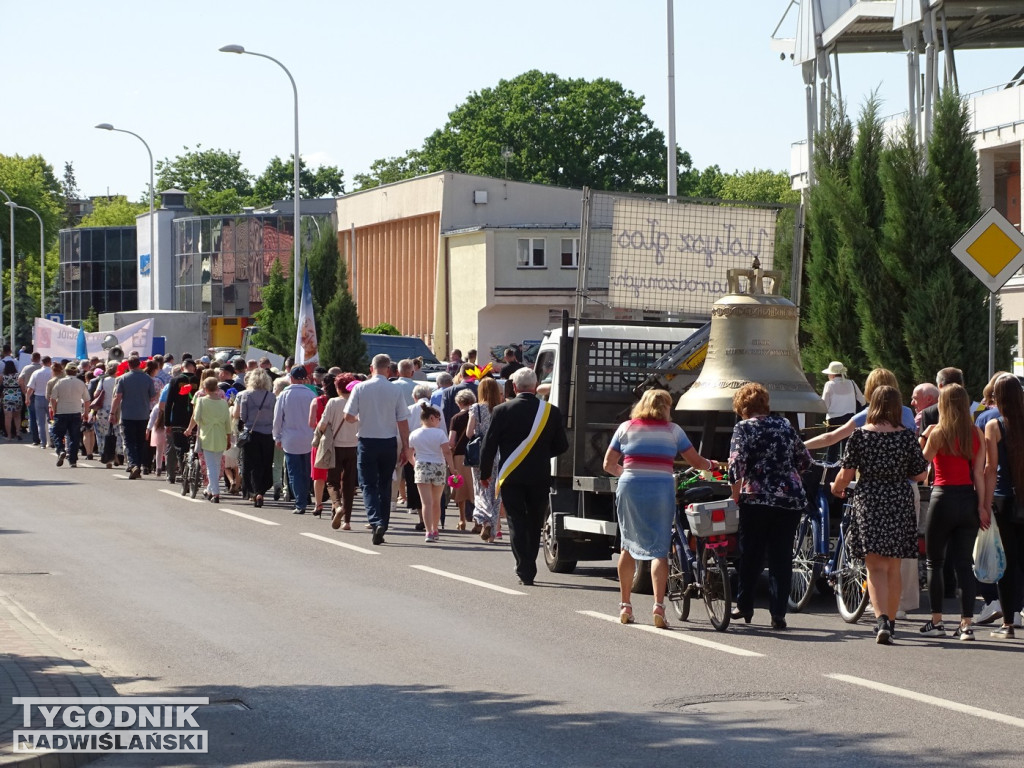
713, 518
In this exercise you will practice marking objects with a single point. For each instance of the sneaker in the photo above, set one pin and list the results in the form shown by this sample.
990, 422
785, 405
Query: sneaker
901, 615
498, 536
60, 458
73, 466
135, 474
883, 633
1018, 620
963, 633
1003, 633
989, 613
933, 630
429, 538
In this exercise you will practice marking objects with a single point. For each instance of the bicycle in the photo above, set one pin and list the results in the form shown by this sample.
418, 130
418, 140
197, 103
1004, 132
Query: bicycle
191, 469
815, 556
701, 570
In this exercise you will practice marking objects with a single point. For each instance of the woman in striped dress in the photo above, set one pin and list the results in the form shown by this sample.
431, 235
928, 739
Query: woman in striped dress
641, 455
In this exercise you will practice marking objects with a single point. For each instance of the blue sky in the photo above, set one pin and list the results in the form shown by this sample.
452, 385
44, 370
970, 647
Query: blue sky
375, 78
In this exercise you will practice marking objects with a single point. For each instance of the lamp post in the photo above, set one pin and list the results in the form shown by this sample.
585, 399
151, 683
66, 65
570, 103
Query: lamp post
42, 254
295, 224
152, 224
11, 332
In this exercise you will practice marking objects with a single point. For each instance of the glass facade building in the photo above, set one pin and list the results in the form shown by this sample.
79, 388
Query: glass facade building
221, 263
98, 269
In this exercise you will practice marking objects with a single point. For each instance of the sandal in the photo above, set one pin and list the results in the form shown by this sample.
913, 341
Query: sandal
258, 501
318, 510
626, 613
659, 616
461, 526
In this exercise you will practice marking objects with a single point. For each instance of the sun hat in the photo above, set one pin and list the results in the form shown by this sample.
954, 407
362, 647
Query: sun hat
835, 368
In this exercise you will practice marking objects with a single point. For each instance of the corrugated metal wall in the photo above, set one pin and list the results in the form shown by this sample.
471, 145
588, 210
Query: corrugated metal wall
395, 268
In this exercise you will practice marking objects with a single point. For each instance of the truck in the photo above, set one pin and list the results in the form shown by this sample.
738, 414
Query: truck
183, 331
650, 271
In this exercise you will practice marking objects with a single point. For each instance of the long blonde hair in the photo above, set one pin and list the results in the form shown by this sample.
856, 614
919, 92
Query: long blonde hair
879, 377
954, 434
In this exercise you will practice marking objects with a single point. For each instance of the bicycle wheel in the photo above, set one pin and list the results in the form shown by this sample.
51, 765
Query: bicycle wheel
184, 478
851, 585
195, 473
715, 588
677, 592
805, 569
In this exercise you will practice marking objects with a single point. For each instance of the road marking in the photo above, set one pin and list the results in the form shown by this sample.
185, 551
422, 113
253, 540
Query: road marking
467, 580
337, 543
924, 698
177, 495
247, 517
683, 636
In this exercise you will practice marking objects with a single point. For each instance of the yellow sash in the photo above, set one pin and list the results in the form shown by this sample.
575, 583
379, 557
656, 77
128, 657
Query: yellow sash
517, 456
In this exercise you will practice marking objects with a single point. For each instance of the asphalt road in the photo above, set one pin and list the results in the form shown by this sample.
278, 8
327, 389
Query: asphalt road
317, 648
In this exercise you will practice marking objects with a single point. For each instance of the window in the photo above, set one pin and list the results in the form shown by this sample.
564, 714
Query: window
570, 253
545, 366
530, 253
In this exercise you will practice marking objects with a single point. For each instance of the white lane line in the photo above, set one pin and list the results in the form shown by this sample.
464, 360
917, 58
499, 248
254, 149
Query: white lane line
924, 698
337, 543
467, 580
255, 519
675, 635
177, 495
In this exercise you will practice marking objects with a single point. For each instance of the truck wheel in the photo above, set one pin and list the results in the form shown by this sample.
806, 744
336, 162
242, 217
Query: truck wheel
550, 545
642, 578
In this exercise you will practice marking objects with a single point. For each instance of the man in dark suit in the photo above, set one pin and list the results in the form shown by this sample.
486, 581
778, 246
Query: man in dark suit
528, 433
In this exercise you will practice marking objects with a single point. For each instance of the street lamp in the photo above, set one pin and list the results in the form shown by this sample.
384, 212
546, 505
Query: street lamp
11, 332
42, 255
152, 224
295, 223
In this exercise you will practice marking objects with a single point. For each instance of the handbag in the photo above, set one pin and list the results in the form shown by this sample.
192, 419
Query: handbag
243, 437
325, 449
473, 447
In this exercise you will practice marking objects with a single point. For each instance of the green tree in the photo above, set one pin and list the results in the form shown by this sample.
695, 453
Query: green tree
276, 182
91, 324
30, 182
384, 328
391, 169
276, 319
69, 191
113, 211
342, 342
322, 261
541, 128
826, 329
214, 179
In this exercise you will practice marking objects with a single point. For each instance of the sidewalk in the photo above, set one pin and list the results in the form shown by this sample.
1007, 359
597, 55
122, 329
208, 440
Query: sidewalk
34, 663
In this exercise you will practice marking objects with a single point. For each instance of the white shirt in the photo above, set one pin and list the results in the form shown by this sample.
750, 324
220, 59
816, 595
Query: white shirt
840, 396
380, 405
416, 418
427, 442
37, 382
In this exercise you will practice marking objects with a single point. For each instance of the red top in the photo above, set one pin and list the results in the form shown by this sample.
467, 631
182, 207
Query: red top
955, 470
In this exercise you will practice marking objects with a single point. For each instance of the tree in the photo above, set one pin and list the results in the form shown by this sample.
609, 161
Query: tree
387, 329
342, 342
113, 211
541, 128
276, 320
322, 261
213, 179
277, 181
826, 329
91, 324
69, 190
391, 169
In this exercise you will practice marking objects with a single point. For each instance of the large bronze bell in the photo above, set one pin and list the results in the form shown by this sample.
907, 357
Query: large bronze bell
753, 338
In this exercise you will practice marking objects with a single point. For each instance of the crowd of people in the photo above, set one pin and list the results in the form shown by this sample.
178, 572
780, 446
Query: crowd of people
259, 430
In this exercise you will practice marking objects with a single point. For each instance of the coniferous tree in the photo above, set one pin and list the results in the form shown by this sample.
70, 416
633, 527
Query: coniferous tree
322, 262
276, 320
341, 342
828, 321
878, 295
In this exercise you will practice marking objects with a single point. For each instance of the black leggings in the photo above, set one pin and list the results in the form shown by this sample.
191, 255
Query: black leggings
953, 521
1012, 535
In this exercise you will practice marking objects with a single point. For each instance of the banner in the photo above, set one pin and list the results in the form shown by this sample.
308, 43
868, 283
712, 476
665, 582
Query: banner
306, 348
674, 256
61, 341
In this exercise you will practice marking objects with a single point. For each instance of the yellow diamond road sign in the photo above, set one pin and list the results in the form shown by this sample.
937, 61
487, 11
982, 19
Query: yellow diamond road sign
992, 249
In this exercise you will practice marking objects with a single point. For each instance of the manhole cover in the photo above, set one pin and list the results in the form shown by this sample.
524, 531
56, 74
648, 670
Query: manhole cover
735, 703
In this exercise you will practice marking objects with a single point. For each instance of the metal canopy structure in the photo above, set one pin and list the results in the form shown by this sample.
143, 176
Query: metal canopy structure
918, 28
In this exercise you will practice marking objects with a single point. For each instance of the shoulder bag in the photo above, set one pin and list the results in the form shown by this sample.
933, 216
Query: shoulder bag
325, 448
472, 457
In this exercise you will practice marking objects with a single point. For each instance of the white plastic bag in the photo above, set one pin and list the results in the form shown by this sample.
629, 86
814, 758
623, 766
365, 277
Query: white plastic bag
989, 557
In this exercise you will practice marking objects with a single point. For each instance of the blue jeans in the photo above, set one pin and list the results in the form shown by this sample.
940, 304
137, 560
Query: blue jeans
376, 459
298, 468
69, 424
135, 441
40, 416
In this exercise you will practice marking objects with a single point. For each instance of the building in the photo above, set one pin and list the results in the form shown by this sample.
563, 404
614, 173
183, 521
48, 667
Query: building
927, 34
97, 271
462, 261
